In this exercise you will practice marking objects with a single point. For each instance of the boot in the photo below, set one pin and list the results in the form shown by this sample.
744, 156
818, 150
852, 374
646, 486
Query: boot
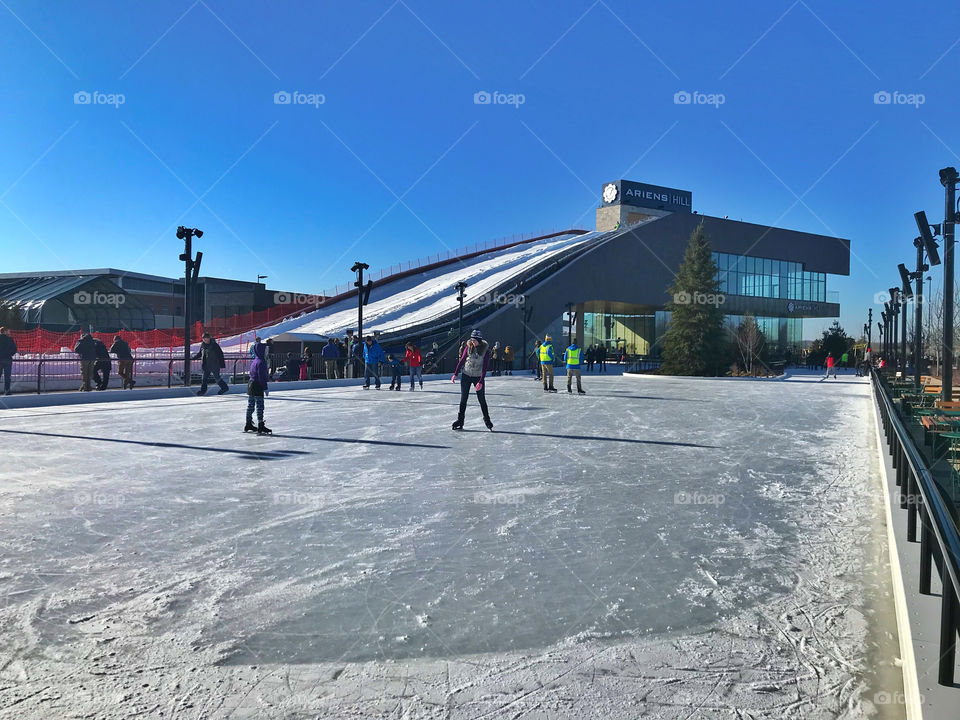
568, 389
487, 422
249, 427
458, 423
552, 389
224, 388
263, 429
202, 392
581, 391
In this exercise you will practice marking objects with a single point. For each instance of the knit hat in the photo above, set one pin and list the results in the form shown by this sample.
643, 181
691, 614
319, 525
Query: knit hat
476, 335
547, 338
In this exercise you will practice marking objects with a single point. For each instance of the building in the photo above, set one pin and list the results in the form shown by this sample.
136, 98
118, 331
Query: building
108, 300
618, 289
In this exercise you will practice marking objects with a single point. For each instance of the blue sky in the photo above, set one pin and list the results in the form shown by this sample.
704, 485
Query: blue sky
398, 161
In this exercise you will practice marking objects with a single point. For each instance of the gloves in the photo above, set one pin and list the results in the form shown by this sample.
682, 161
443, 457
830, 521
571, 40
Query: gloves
453, 378
479, 386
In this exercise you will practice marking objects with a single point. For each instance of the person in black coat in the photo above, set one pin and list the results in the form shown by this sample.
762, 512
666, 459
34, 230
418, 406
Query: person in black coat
8, 348
101, 369
121, 349
87, 350
602, 358
212, 361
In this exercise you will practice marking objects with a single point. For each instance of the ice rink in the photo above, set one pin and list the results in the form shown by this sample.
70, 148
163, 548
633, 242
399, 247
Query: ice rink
659, 547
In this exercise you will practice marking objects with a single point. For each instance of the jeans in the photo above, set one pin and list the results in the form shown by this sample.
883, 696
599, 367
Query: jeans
254, 402
101, 373
6, 367
212, 374
371, 370
416, 373
465, 382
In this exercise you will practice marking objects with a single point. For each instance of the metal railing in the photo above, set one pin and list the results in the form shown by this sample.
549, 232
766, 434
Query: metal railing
939, 538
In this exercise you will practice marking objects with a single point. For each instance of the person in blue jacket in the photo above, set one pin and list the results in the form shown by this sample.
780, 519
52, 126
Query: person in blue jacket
573, 357
372, 357
331, 356
396, 372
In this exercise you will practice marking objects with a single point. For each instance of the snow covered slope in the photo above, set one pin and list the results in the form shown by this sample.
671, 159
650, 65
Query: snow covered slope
427, 296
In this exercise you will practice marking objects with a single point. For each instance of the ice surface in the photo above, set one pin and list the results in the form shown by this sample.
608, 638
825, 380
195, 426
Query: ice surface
654, 545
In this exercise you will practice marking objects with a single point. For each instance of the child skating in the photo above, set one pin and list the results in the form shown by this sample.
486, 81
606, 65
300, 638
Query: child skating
257, 390
396, 372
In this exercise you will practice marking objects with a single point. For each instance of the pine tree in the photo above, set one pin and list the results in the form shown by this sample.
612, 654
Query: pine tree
694, 342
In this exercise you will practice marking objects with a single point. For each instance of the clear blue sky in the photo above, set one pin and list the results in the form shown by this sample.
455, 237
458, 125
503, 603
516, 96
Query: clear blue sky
299, 191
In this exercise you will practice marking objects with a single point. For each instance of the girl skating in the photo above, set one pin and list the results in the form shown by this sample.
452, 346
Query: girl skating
474, 362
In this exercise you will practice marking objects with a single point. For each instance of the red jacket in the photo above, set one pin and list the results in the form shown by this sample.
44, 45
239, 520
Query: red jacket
412, 358
830, 362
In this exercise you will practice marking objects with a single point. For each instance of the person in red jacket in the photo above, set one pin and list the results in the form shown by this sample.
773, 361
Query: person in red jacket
413, 359
831, 367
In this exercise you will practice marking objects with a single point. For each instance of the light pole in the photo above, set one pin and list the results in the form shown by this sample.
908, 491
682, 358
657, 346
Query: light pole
930, 245
569, 324
948, 178
362, 297
460, 287
191, 271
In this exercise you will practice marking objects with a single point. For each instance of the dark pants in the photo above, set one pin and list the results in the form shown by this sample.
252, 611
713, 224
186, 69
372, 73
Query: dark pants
101, 373
465, 382
254, 402
6, 367
125, 370
371, 370
212, 374
396, 378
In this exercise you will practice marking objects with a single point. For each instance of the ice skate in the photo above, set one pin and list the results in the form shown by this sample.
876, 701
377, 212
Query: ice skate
263, 429
488, 422
249, 427
581, 392
458, 423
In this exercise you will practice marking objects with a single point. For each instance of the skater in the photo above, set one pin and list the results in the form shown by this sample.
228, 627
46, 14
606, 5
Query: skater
844, 361
495, 357
211, 362
307, 363
413, 360
396, 372
257, 390
831, 367
331, 357
536, 360
571, 357
474, 362
372, 357
121, 349
87, 350
508, 360
546, 364
101, 369
8, 348
601, 358
589, 356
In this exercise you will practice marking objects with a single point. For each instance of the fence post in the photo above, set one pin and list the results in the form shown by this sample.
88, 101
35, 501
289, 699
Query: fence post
170, 373
948, 630
233, 377
39, 367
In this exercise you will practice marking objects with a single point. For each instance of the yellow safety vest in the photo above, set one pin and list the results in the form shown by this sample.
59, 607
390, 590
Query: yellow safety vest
573, 356
545, 351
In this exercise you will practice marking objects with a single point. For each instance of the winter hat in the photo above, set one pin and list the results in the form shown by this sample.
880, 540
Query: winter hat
476, 335
547, 338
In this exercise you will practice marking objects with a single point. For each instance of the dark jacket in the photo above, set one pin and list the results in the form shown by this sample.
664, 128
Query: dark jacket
86, 348
211, 356
330, 351
257, 387
101, 350
292, 369
8, 347
121, 349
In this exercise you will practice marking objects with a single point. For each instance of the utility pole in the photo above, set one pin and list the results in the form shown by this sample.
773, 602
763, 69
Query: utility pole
948, 178
191, 271
460, 287
358, 268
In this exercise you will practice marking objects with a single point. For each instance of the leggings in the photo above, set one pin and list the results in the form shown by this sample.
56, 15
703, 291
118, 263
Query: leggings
465, 382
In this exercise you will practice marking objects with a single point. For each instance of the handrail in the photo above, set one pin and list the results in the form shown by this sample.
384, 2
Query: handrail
914, 476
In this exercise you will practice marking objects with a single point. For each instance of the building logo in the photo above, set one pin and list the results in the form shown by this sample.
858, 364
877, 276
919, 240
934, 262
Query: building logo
637, 194
609, 193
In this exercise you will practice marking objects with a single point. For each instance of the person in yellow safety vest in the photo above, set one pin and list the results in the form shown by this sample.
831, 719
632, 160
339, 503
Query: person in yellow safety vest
546, 363
572, 357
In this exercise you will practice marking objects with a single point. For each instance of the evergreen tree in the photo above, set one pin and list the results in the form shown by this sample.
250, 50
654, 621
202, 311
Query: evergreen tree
694, 342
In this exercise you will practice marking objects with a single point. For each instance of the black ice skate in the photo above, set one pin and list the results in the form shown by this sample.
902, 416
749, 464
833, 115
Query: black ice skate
249, 427
263, 430
458, 423
488, 423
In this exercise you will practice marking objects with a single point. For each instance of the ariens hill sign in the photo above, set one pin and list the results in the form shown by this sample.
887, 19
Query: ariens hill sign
627, 192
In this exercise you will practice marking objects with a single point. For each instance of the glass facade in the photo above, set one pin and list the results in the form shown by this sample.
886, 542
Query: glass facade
762, 277
777, 331
635, 332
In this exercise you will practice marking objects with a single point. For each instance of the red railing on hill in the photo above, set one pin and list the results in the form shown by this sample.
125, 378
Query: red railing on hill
38, 340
